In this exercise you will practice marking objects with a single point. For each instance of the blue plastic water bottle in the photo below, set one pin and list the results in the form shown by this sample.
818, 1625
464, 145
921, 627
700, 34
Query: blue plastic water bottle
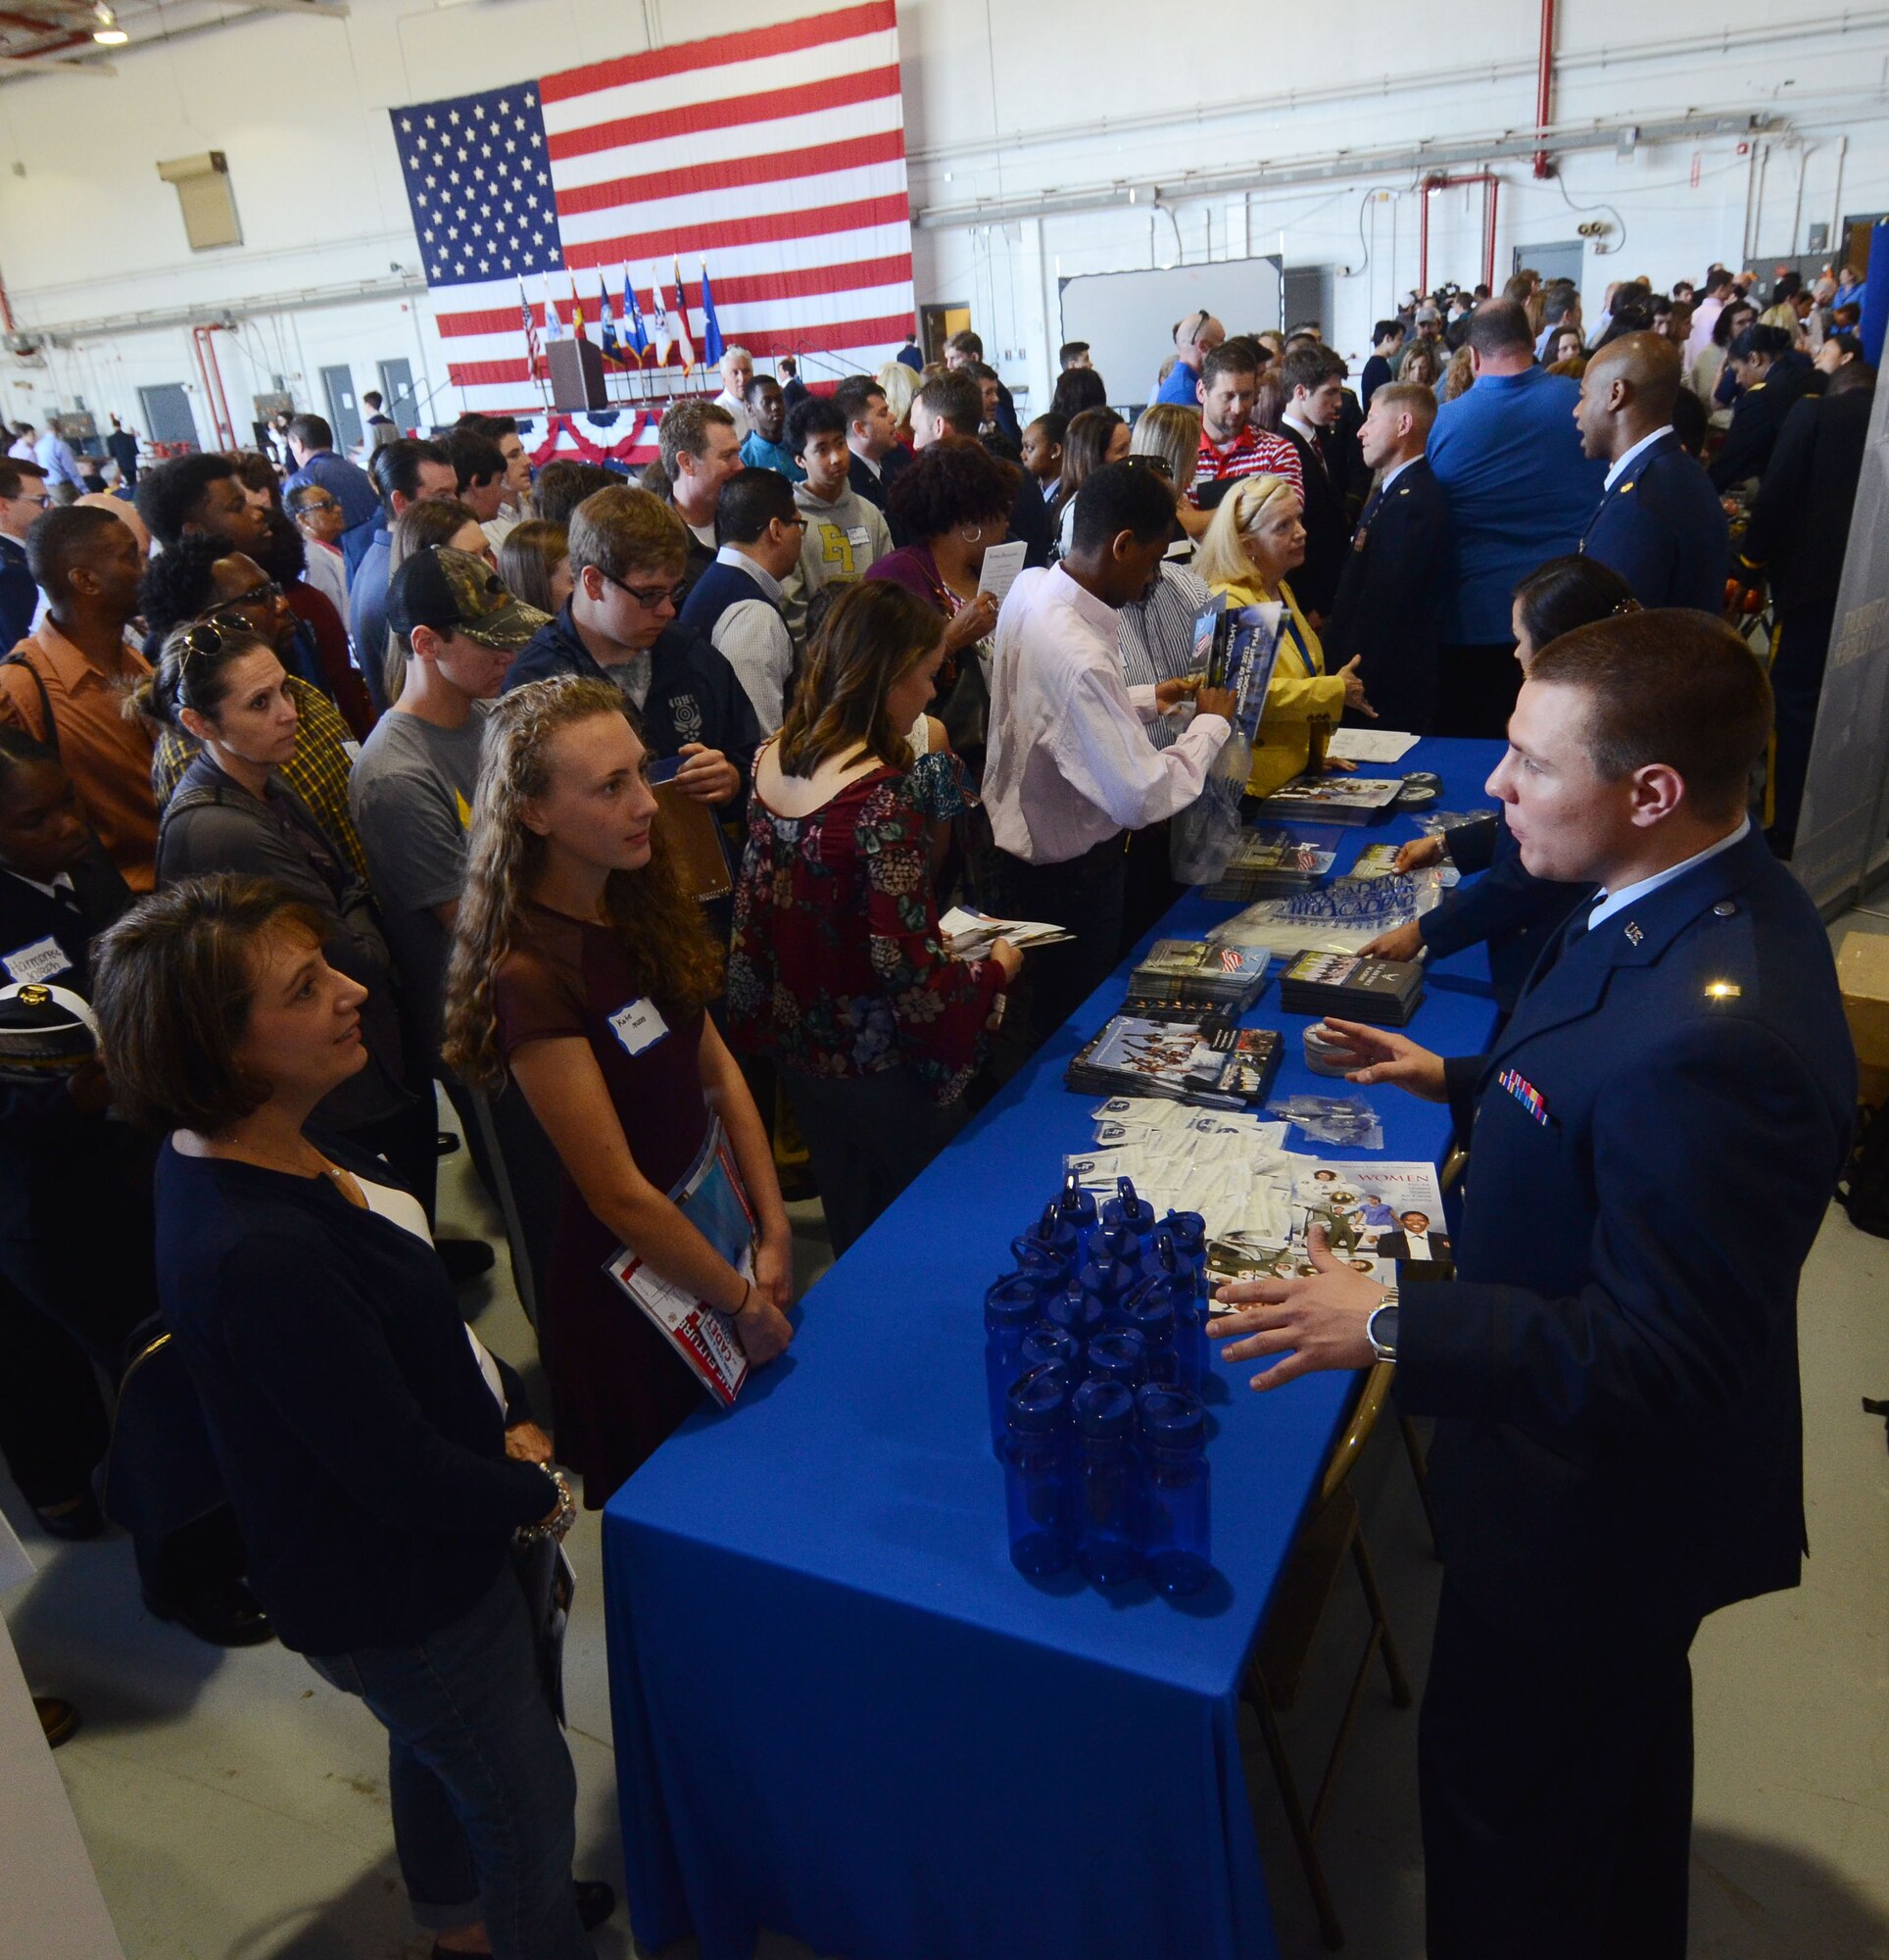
1036, 1488
1167, 1272
1047, 1345
1079, 1314
1011, 1309
1120, 1354
1057, 1233
1189, 1233
1120, 1244
1049, 1268
1077, 1208
1151, 1311
1108, 1484
1104, 1279
1126, 1209
1176, 1523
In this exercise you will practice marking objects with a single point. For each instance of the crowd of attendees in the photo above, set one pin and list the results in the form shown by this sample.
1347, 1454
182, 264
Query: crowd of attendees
331, 787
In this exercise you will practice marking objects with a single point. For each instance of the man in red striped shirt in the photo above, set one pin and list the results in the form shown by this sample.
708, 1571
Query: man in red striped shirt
1230, 446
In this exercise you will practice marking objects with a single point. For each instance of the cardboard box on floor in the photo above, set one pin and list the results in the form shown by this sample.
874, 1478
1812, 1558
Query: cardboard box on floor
1862, 972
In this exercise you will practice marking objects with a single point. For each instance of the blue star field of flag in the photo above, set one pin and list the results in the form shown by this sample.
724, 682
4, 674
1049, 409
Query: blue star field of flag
478, 170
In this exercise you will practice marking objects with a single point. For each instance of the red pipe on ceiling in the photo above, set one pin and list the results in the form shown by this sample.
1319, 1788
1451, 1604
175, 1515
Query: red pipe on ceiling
1545, 79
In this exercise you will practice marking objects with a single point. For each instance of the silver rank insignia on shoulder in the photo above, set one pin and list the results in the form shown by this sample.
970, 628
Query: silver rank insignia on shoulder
1633, 933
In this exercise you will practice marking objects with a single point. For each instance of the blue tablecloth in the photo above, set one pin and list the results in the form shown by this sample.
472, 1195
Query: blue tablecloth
842, 1714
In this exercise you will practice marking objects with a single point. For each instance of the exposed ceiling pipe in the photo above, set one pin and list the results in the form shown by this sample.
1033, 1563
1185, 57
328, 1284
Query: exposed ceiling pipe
1545, 79
249, 10
1721, 40
1348, 167
72, 333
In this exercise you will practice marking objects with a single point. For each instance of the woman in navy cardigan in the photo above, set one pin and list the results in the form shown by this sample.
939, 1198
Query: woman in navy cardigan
380, 1461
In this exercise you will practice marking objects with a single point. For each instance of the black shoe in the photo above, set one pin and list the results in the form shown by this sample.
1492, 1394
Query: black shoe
464, 1258
798, 1183
445, 1143
59, 1723
596, 1901
225, 1615
77, 1518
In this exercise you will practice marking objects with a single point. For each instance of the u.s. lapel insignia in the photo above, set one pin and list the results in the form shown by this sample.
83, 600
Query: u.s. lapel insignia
1629, 484
1633, 933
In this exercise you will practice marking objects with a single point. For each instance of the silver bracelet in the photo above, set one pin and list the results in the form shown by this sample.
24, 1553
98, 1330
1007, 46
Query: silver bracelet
565, 1516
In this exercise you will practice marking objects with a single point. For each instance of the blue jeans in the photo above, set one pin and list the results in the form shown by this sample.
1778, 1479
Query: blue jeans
478, 1777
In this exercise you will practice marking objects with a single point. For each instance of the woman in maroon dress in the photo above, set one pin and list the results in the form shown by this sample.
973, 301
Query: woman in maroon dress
581, 967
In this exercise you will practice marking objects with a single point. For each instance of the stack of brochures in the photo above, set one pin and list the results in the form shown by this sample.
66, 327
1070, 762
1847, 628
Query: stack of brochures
1182, 973
1336, 799
1269, 865
1376, 860
1352, 988
968, 934
1217, 1066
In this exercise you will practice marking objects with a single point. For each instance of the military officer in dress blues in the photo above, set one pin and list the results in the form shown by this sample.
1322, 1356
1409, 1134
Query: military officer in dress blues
1613, 1370
1659, 523
1394, 598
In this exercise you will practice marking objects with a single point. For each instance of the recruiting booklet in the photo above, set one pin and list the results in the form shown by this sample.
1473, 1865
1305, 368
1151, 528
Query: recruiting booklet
711, 1197
1370, 1213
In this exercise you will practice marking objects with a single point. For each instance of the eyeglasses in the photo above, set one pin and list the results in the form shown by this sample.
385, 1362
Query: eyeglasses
204, 640
42, 500
1158, 464
648, 597
315, 506
256, 595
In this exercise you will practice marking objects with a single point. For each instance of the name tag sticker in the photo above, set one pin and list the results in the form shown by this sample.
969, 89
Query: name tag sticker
40, 960
858, 536
639, 1026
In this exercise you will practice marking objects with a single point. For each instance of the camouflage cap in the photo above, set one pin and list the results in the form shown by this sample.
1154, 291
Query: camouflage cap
452, 592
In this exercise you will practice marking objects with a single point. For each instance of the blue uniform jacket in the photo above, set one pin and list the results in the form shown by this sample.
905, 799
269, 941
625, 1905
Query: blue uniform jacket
1664, 530
1508, 910
1656, 1136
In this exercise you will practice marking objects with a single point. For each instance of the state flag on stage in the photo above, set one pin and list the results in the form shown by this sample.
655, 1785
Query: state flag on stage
712, 342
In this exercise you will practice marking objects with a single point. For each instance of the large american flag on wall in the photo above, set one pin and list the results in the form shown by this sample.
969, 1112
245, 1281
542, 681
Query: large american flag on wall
776, 157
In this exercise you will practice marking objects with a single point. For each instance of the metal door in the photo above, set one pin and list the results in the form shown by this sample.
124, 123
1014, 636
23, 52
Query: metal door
167, 419
396, 387
1562, 261
344, 412
1305, 294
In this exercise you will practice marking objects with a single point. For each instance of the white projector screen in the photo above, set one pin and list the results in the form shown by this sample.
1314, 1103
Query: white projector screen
1128, 317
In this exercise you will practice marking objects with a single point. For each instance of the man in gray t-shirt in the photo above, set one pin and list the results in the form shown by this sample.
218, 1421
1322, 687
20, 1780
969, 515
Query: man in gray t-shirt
413, 784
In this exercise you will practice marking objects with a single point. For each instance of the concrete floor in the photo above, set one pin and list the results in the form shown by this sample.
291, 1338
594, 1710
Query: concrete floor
235, 1807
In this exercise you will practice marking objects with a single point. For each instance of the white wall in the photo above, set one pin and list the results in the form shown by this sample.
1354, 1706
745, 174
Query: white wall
1012, 103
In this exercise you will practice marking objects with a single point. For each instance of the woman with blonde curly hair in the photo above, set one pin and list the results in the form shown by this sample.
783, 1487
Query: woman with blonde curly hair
1257, 537
581, 968
836, 969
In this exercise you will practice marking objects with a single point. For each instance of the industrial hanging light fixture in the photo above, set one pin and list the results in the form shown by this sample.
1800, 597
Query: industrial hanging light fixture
108, 33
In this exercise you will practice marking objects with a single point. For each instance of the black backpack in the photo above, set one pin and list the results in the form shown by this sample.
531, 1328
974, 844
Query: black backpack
1864, 1192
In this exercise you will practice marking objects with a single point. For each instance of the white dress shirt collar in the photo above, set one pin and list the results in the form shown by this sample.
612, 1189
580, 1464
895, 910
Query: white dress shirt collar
1304, 429
1396, 471
1645, 442
765, 579
1094, 613
1614, 901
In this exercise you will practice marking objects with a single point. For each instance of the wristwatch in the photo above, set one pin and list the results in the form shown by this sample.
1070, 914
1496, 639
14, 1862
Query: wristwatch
1381, 1328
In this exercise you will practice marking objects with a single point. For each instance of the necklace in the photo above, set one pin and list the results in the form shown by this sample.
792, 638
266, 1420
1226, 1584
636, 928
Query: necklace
344, 1181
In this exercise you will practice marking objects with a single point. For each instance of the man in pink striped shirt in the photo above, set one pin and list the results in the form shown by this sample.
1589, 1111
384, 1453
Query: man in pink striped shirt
1230, 446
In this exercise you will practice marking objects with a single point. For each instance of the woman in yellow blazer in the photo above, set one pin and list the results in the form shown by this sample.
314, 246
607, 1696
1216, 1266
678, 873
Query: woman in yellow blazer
1255, 539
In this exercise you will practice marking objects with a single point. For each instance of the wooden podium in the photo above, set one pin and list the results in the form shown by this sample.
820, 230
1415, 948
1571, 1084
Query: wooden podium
576, 377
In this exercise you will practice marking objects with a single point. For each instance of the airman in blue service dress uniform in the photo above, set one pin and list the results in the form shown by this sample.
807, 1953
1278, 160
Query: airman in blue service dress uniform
1613, 1369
